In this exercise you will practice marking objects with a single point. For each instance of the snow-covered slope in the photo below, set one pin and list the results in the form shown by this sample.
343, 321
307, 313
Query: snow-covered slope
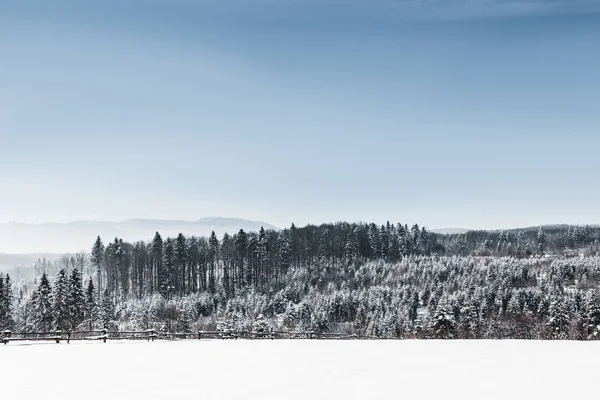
300, 370
80, 235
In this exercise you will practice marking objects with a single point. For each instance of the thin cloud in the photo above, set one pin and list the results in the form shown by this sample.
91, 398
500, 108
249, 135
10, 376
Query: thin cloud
447, 8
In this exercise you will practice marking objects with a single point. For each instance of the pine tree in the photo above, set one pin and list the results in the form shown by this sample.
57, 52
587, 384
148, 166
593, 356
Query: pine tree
351, 249
6, 303
415, 238
541, 237
241, 245
43, 305
156, 263
185, 324
60, 297
593, 314
168, 270
374, 241
414, 306
3, 310
75, 299
97, 257
442, 323
388, 327
559, 320
107, 312
180, 273
213, 246
90, 305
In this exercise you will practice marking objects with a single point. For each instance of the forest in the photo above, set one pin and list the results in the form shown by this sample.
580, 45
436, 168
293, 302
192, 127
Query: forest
390, 281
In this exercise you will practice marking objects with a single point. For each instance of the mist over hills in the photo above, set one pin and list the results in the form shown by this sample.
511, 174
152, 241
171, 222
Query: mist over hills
22, 238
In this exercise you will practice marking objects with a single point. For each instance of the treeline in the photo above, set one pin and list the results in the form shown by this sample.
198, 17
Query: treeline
381, 281
522, 243
64, 305
180, 266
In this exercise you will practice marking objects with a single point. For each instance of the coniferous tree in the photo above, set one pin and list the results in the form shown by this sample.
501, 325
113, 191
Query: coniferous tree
541, 238
107, 311
75, 299
414, 306
42, 305
60, 297
241, 244
213, 254
180, 273
593, 315
168, 270
559, 320
96, 259
156, 263
443, 323
5, 303
91, 305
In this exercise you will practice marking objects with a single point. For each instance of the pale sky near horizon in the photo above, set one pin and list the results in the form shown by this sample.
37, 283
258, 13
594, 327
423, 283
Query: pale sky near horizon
467, 113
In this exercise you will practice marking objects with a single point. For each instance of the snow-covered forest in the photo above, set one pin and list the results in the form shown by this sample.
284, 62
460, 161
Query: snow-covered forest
390, 281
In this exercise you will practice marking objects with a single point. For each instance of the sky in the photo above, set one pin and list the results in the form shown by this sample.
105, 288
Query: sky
458, 113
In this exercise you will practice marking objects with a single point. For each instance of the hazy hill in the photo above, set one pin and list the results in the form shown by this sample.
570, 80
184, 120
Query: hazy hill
76, 236
450, 231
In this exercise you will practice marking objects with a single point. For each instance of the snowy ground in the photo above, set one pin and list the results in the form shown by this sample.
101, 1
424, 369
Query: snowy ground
299, 369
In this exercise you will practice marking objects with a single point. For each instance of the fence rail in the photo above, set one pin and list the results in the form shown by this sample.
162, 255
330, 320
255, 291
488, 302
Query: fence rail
150, 335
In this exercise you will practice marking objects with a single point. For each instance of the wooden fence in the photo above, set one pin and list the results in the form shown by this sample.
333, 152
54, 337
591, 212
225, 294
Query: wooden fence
150, 335
58, 336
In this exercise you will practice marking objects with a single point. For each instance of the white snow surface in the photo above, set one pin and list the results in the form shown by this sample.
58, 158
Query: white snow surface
299, 369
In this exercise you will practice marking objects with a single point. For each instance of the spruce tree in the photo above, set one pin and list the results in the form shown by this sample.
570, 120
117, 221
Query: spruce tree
8, 300
90, 305
75, 299
96, 258
559, 320
3, 308
213, 254
414, 306
43, 305
60, 296
593, 314
156, 265
168, 270
107, 312
541, 238
442, 324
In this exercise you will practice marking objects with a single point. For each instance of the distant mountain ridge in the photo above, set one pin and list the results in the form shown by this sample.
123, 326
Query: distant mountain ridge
450, 231
54, 237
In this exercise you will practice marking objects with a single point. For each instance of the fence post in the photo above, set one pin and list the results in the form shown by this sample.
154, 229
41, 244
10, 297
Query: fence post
68, 337
104, 335
5, 336
58, 335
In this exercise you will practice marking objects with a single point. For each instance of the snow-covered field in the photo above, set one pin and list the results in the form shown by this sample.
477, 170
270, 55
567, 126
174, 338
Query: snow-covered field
300, 369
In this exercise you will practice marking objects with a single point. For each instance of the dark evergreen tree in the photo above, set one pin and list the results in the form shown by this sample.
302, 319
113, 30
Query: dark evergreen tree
61, 298
97, 258
442, 323
107, 310
42, 305
541, 238
91, 306
559, 320
75, 299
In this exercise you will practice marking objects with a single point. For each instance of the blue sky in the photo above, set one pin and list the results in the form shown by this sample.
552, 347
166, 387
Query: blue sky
479, 114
